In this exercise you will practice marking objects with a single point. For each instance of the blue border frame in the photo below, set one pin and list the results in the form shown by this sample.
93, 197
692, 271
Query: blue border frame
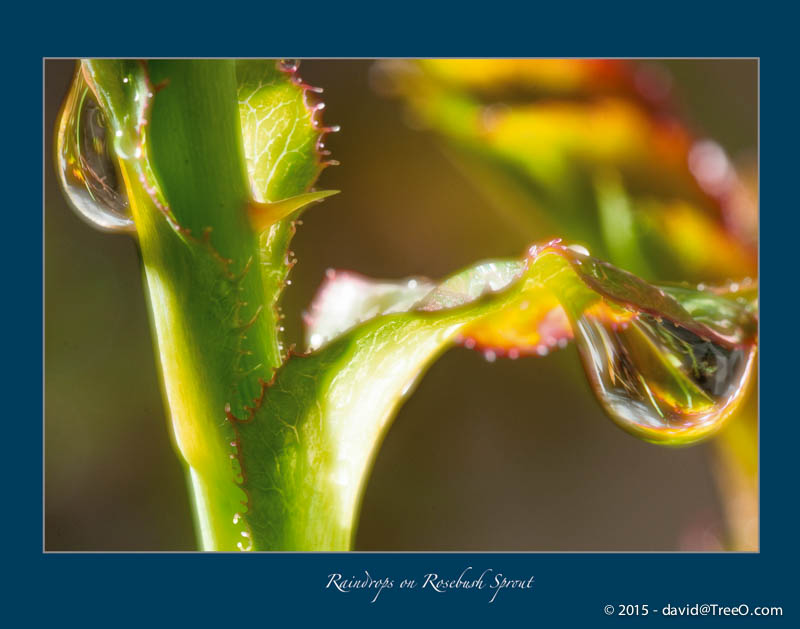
570, 589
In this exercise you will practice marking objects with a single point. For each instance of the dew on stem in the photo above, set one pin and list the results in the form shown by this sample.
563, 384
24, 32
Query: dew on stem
86, 165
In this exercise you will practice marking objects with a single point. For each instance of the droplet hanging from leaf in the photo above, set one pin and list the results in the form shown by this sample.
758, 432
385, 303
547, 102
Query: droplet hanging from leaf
660, 380
85, 162
667, 365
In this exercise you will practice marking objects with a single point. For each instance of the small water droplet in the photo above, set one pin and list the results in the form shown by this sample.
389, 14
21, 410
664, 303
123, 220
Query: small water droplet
490, 356
86, 163
579, 249
289, 65
248, 545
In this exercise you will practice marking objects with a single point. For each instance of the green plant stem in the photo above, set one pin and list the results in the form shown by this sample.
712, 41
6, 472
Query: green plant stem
215, 341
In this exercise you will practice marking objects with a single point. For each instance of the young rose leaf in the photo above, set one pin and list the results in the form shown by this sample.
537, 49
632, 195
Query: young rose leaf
305, 444
283, 150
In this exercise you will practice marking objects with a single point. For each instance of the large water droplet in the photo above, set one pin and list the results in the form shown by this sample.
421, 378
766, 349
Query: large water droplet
668, 364
658, 379
86, 165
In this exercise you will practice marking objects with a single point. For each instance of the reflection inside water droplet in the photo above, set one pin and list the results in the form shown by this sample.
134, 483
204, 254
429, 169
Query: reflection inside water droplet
669, 364
86, 165
658, 379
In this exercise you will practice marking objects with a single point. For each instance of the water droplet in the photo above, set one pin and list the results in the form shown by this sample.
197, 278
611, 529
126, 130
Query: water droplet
658, 379
86, 163
490, 356
579, 249
289, 65
245, 546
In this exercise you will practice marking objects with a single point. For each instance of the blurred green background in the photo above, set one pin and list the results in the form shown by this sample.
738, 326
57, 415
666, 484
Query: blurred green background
514, 455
